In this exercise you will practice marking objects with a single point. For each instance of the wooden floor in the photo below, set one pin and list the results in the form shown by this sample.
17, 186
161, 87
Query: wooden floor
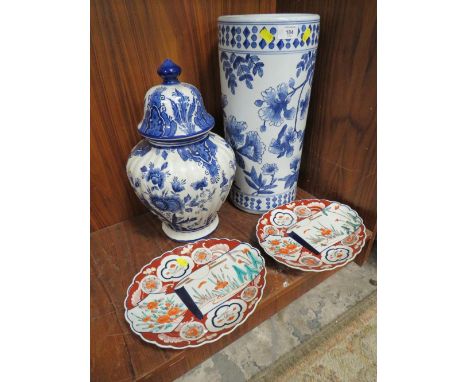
118, 253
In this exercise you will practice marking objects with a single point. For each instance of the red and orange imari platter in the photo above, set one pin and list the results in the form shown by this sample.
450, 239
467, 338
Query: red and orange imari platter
196, 293
312, 235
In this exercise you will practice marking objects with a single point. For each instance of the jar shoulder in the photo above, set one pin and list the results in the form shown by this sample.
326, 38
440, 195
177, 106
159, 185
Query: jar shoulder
193, 160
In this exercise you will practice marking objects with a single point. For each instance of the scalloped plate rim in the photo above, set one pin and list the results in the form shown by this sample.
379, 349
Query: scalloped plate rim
310, 270
204, 342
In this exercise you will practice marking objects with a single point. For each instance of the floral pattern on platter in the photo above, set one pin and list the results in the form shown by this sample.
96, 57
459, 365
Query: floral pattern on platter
337, 255
192, 331
202, 256
269, 230
265, 107
302, 211
284, 247
350, 240
226, 316
161, 316
157, 313
173, 267
310, 261
151, 284
249, 293
315, 206
282, 218
189, 200
331, 225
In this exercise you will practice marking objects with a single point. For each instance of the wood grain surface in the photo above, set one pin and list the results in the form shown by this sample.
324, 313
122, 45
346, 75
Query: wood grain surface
119, 252
129, 39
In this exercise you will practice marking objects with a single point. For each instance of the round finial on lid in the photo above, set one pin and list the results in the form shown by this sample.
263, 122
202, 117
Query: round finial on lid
169, 71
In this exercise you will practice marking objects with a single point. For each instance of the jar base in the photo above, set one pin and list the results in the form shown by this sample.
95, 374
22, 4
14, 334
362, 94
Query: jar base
185, 236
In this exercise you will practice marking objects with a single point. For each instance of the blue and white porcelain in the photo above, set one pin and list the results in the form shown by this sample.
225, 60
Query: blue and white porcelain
266, 66
181, 171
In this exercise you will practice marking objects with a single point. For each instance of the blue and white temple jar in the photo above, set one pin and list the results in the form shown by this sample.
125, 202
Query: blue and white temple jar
180, 171
266, 65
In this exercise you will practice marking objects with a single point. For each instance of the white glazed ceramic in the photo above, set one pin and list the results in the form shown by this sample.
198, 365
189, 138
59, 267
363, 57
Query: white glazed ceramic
266, 66
195, 294
315, 221
181, 171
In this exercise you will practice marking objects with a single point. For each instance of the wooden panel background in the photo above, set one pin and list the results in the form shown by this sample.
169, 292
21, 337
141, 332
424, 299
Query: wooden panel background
129, 39
340, 147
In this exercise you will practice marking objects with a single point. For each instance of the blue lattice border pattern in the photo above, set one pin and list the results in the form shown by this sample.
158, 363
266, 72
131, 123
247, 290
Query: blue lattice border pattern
243, 38
261, 203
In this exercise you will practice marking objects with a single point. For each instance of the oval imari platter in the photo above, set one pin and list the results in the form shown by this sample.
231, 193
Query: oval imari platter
313, 235
196, 293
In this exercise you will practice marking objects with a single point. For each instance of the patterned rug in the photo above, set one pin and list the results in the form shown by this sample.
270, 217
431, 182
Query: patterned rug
344, 351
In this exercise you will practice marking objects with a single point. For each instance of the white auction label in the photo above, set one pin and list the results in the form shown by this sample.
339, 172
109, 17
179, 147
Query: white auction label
286, 31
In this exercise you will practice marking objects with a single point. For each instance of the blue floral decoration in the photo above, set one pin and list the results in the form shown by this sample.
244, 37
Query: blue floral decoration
307, 64
241, 68
183, 110
225, 181
283, 145
200, 184
304, 105
235, 131
294, 165
260, 183
300, 138
239, 160
171, 203
141, 149
203, 152
135, 182
269, 168
244, 145
291, 179
178, 185
156, 175
224, 102
155, 123
253, 147
203, 120
274, 107
188, 114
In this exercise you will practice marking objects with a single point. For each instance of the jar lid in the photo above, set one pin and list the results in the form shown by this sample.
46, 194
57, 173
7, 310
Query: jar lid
174, 110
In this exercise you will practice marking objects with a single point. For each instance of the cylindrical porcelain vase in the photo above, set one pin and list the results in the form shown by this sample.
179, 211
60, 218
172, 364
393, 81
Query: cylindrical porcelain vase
266, 66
